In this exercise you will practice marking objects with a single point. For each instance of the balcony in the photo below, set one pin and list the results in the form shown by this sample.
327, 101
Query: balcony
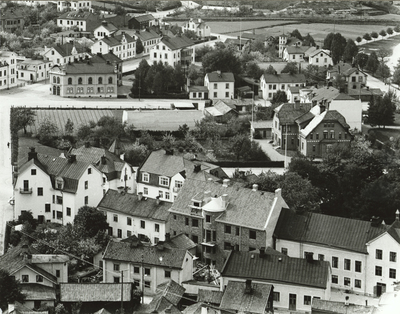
25, 191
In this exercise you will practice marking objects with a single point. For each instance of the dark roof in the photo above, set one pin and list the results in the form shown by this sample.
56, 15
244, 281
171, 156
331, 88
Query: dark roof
108, 57
308, 116
148, 34
168, 293
121, 251
94, 292
340, 66
144, 18
220, 76
343, 96
108, 26
196, 88
235, 298
210, 296
236, 41
116, 40
177, 42
335, 232
181, 241
297, 49
336, 116
78, 15
87, 67
334, 307
66, 49
35, 291
129, 204
394, 230
197, 308
352, 70
245, 207
284, 78
288, 113
275, 268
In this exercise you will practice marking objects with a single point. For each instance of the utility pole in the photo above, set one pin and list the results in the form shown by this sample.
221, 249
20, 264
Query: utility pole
122, 292
285, 147
142, 273
139, 86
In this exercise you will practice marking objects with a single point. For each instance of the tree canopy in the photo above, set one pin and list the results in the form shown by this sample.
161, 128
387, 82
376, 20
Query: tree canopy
350, 51
337, 47
10, 290
20, 118
381, 110
372, 63
89, 221
291, 68
223, 60
279, 97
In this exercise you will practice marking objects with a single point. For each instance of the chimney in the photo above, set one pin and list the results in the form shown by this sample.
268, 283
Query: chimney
317, 47
204, 309
32, 154
199, 20
375, 221
309, 257
87, 144
397, 215
11, 307
321, 109
207, 197
224, 198
219, 73
103, 160
158, 200
248, 289
225, 183
167, 237
140, 196
297, 104
72, 158
197, 168
262, 251
346, 300
255, 187
169, 151
278, 193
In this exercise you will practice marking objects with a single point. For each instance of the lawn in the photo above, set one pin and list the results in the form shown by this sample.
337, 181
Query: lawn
381, 44
384, 135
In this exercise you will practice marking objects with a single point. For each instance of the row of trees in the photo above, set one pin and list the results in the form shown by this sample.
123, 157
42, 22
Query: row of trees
375, 35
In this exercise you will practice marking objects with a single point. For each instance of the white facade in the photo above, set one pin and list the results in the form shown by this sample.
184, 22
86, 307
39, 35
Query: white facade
201, 29
73, 5
102, 31
321, 58
55, 57
34, 70
8, 69
161, 52
351, 110
121, 48
219, 90
292, 57
269, 88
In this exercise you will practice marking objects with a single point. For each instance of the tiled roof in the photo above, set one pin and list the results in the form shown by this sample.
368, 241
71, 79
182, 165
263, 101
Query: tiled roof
236, 41
65, 50
343, 96
275, 268
220, 108
197, 309
196, 88
246, 208
336, 116
336, 232
235, 298
220, 77
294, 89
78, 15
284, 78
297, 49
305, 117
325, 93
340, 66
266, 124
35, 291
394, 230
181, 241
352, 70
177, 42
129, 204
88, 68
209, 296
120, 251
94, 292
171, 291
117, 39
330, 115
143, 18
148, 35
109, 26
160, 163
289, 112
325, 306
104, 58
312, 53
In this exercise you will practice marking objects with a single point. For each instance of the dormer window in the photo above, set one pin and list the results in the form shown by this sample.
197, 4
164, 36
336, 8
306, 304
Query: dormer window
145, 177
59, 183
164, 181
196, 204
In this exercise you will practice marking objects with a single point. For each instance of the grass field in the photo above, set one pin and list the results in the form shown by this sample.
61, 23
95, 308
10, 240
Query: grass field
381, 44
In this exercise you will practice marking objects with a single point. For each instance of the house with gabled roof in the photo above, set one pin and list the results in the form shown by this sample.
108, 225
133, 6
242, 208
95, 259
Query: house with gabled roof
296, 281
105, 29
319, 57
355, 78
338, 68
222, 217
149, 38
82, 20
11, 20
271, 83
198, 26
109, 58
123, 45
168, 296
221, 110
142, 21
295, 53
163, 174
33, 70
54, 188
65, 53
173, 51
147, 266
221, 85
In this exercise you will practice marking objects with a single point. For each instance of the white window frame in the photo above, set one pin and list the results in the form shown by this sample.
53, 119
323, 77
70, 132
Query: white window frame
145, 177
165, 179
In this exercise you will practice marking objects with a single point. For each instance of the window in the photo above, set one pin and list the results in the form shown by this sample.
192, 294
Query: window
129, 221
195, 223
393, 256
164, 181
378, 271
332, 134
317, 136
227, 229
86, 200
227, 85
90, 80
89, 171
227, 246
116, 279
335, 279
142, 224
33, 172
252, 234
145, 177
307, 300
136, 270
47, 208
128, 233
346, 264
392, 273
119, 233
195, 238
357, 283
167, 273
100, 80
86, 185
156, 227
346, 281
156, 240
378, 254
187, 221
147, 284
110, 80
25, 278
284, 251
167, 195
147, 271
80, 80
59, 200
208, 218
160, 194
116, 267
70, 81
39, 278
215, 94
115, 218
237, 231
277, 296
40, 191
215, 86
358, 266
227, 95
59, 215
145, 191
178, 184
214, 235
325, 134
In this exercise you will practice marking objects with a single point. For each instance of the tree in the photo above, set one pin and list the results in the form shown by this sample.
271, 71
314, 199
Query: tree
383, 33
296, 33
108, 129
361, 60
339, 82
253, 70
89, 221
223, 60
147, 140
140, 75
192, 73
337, 47
315, 74
243, 148
328, 41
374, 35
383, 71
279, 97
69, 126
381, 110
291, 68
373, 62
350, 51
47, 132
190, 34
396, 73
168, 141
367, 36
139, 46
389, 31
382, 54
119, 10
178, 76
358, 39
308, 40
10, 290
20, 118
270, 70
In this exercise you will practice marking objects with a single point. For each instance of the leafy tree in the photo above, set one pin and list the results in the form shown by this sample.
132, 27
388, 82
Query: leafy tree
85, 132
69, 126
328, 41
339, 82
223, 60
139, 47
243, 148
374, 35
108, 129
89, 221
383, 33
168, 141
389, 31
396, 73
296, 33
190, 34
257, 45
337, 47
270, 70
308, 40
47, 132
382, 54
361, 60
381, 110
315, 74
350, 51
367, 36
279, 97
397, 29
192, 73
253, 70
291, 68
21, 117
358, 39
200, 52
178, 77
119, 10
147, 140
373, 62
140, 76
383, 71
10, 290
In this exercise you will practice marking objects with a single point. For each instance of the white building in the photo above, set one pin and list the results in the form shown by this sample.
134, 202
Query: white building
149, 39
220, 85
34, 70
81, 20
65, 53
106, 29
294, 53
73, 5
8, 69
173, 51
54, 188
270, 83
148, 266
123, 46
319, 57
199, 27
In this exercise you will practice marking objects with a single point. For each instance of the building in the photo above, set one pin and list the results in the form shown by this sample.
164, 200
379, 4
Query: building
112, 59
83, 21
173, 51
334, 307
163, 174
142, 21
337, 69
34, 70
64, 53
167, 298
106, 29
117, 173
199, 27
319, 57
220, 85
270, 83
240, 43
8, 69
84, 79
355, 79
146, 266
74, 5
261, 129
11, 20
198, 92
295, 53
123, 46
149, 38
129, 215
222, 217
296, 281
54, 188
221, 111
293, 94
363, 254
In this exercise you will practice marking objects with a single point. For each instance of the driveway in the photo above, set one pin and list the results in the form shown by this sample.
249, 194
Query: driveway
272, 153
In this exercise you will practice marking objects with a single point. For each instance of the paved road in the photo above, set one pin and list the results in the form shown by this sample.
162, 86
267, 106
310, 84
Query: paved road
272, 153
